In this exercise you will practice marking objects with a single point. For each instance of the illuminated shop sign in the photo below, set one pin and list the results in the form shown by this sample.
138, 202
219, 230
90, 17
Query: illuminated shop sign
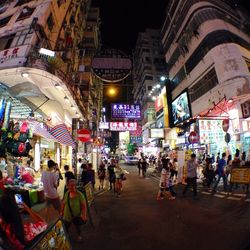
123, 126
211, 131
111, 65
181, 109
130, 111
47, 52
156, 133
103, 125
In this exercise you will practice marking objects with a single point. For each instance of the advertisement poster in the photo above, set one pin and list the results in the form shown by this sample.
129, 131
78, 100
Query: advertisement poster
180, 109
240, 175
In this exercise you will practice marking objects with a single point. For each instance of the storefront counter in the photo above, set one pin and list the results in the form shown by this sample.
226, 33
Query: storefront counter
30, 196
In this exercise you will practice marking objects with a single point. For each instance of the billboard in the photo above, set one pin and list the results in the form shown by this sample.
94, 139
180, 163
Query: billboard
123, 126
111, 65
181, 108
130, 111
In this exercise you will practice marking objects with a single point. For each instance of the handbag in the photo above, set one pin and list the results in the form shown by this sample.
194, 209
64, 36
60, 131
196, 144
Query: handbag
77, 220
123, 177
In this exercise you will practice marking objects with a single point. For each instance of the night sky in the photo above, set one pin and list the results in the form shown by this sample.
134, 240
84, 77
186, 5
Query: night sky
122, 20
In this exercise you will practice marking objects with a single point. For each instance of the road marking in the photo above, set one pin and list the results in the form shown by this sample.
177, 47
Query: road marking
207, 193
233, 198
219, 195
240, 195
225, 193
247, 200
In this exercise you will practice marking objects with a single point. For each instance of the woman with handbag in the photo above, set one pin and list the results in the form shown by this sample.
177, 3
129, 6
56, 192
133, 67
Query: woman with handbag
74, 209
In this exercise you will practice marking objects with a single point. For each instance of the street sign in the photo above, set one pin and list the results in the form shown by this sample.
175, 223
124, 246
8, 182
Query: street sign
193, 137
83, 135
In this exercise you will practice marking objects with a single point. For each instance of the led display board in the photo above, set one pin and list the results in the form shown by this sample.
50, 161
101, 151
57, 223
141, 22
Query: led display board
123, 126
181, 108
130, 111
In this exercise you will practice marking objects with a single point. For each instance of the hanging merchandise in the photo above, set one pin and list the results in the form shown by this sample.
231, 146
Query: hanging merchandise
7, 115
2, 108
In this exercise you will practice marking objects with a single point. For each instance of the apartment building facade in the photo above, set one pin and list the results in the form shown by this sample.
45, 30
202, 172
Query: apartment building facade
207, 48
148, 67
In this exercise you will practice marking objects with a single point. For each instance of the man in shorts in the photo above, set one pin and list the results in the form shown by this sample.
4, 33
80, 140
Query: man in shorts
50, 183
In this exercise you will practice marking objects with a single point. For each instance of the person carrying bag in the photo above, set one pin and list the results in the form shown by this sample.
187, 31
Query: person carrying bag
74, 209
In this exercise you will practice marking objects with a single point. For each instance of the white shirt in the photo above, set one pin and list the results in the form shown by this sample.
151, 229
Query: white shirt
49, 180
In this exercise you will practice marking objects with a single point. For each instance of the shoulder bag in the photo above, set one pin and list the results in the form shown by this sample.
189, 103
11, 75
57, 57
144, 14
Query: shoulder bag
77, 220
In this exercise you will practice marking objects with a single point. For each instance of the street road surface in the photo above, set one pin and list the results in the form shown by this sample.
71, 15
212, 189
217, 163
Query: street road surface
137, 221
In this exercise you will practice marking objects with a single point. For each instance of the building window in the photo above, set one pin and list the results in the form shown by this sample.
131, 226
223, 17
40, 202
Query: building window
5, 42
26, 13
203, 86
149, 88
50, 22
4, 21
21, 2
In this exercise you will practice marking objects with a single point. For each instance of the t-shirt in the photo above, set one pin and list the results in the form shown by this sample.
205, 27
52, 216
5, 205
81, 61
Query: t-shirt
222, 163
49, 180
75, 204
191, 169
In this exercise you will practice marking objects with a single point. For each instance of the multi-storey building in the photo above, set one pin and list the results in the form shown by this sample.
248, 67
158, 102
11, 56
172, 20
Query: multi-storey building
148, 67
207, 48
44, 46
90, 85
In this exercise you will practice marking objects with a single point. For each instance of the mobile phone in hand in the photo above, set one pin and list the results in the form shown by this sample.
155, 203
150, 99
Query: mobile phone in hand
19, 200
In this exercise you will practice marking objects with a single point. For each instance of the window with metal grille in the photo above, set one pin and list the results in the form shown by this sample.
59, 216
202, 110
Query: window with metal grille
205, 84
26, 13
4, 21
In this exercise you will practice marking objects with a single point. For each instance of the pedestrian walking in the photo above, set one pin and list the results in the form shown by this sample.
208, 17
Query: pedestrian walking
174, 169
144, 166
139, 166
74, 208
84, 175
50, 183
191, 179
68, 176
90, 175
166, 185
221, 173
119, 177
101, 175
59, 174
208, 173
111, 172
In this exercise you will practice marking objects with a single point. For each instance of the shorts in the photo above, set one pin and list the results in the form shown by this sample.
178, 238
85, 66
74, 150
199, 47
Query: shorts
54, 202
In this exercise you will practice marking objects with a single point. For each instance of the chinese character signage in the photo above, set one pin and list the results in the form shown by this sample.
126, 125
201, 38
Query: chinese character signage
13, 56
123, 126
131, 111
211, 131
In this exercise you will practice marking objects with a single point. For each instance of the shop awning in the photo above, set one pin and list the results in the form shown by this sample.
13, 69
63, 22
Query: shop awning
62, 134
40, 129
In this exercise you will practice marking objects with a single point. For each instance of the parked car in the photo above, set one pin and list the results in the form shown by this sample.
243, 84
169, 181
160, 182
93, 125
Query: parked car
131, 160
